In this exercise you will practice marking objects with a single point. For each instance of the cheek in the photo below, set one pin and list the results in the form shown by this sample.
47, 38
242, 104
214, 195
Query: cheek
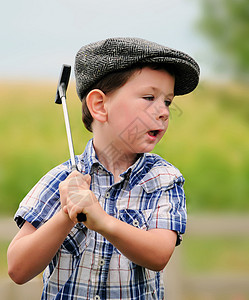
119, 118
124, 112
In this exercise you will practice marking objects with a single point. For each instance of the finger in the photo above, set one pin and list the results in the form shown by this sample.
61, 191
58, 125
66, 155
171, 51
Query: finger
65, 209
78, 182
64, 184
81, 198
73, 174
74, 212
87, 178
61, 186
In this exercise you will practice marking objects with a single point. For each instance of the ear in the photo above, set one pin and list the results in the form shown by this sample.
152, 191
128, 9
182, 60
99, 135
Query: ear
96, 104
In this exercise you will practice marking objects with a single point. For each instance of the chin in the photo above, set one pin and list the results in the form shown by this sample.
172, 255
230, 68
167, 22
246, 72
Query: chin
146, 148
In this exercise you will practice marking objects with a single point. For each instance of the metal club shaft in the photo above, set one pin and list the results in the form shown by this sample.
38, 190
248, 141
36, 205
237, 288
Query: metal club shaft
61, 99
68, 130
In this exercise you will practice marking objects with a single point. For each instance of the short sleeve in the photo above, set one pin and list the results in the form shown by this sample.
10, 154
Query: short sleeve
43, 200
170, 212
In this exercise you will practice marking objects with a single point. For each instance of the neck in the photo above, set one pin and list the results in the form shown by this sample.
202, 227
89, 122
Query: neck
113, 158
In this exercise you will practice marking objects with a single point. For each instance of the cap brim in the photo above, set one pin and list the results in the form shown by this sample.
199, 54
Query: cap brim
186, 74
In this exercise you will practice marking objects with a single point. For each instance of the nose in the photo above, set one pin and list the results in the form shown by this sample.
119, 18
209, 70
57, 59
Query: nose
162, 111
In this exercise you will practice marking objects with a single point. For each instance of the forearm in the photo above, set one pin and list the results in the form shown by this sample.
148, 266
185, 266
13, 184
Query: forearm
151, 249
28, 255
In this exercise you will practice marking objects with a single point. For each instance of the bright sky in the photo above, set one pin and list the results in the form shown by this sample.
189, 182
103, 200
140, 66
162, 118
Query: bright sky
37, 37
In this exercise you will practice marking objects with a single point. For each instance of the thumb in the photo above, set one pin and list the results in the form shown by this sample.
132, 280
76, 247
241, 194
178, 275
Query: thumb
65, 209
87, 178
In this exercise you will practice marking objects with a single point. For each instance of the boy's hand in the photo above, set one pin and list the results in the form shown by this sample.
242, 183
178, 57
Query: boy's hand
76, 197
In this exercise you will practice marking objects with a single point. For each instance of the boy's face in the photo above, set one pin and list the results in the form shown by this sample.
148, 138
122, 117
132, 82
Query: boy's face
138, 112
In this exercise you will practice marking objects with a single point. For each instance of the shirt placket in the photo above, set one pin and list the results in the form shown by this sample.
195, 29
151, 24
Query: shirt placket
104, 264
107, 250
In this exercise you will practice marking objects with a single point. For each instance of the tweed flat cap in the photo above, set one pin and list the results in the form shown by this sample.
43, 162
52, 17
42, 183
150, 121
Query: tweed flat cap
94, 61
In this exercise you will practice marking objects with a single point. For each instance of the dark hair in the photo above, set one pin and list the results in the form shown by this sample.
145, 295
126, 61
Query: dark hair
113, 81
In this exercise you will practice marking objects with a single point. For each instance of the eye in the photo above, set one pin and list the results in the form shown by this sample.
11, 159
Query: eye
167, 102
149, 97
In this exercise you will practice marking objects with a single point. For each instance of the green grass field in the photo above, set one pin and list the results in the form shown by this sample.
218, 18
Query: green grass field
207, 140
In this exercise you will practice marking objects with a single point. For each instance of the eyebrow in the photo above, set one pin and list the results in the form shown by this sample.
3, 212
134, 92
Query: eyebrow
166, 95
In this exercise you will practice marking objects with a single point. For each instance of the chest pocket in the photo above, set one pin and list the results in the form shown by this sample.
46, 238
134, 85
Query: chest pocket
136, 218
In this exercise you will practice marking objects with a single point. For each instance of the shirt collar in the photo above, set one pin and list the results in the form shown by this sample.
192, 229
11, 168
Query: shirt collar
89, 157
133, 174
138, 170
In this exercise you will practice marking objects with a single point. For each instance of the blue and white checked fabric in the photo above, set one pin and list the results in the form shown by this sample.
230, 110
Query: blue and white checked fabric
149, 195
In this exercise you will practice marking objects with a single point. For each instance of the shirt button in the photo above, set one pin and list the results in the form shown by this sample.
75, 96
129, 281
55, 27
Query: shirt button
135, 223
101, 262
97, 297
107, 195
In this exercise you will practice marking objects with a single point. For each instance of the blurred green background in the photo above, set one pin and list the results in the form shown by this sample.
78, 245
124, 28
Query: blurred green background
208, 140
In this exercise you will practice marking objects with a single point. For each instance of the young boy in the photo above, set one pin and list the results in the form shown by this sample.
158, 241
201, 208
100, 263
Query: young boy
133, 200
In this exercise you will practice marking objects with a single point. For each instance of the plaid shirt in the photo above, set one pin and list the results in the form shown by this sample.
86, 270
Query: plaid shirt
149, 195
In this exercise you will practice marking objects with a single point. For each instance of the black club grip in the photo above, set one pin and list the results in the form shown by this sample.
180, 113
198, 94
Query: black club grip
81, 217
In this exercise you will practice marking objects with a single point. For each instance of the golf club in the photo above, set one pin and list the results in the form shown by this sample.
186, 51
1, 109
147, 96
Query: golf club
61, 99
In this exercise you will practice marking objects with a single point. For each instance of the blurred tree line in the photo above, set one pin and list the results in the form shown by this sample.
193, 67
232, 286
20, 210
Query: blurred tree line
226, 24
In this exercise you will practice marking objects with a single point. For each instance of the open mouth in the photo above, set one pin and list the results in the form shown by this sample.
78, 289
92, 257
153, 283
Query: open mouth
153, 132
